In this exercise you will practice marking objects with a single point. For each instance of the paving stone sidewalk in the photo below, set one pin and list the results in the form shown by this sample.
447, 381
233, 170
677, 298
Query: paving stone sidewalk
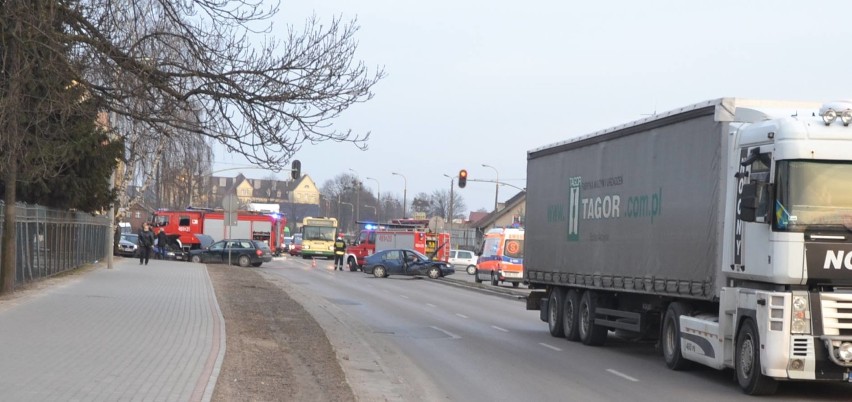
134, 332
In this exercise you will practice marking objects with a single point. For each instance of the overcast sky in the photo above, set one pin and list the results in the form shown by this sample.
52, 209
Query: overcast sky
482, 82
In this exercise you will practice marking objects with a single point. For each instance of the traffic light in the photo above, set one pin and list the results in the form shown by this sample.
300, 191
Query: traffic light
462, 178
296, 170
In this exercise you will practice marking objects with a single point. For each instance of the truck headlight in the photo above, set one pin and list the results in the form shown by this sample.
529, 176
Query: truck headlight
844, 352
801, 319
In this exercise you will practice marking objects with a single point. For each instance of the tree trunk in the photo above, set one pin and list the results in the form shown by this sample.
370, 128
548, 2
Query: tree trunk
7, 248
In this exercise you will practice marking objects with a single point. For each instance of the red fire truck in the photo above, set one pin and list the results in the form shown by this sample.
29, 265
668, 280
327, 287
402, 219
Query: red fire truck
266, 227
374, 238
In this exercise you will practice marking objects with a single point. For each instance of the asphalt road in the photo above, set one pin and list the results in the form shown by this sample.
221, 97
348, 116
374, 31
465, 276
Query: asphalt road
402, 338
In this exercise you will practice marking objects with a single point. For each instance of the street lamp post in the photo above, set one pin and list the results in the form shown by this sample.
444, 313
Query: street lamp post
375, 211
352, 214
378, 199
357, 186
496, 184
450, 212
404, 192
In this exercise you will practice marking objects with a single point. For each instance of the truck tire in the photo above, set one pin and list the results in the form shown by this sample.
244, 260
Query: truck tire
747, 362
353, 266
476, 277
516, 284
590, 333
494, 280
554, 312
670, 338
570, 315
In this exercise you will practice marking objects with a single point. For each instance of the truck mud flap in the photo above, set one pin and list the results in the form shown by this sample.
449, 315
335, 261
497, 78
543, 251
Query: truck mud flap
538, 301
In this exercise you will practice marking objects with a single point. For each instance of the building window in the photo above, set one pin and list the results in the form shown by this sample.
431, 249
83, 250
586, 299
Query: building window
223, 181
138, 214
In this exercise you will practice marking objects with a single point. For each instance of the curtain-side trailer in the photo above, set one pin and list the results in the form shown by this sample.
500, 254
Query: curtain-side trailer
723, 229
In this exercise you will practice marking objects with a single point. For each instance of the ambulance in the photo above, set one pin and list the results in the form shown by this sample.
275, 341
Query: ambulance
501, 257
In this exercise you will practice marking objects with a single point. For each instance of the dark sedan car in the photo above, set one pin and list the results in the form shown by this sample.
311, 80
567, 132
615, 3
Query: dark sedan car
174, 249
405, 262
242, 251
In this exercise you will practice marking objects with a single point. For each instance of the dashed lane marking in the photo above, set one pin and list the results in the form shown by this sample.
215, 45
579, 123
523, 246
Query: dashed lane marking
499, 329
461, 315
550, 346
431, 305
622, 375
448, 333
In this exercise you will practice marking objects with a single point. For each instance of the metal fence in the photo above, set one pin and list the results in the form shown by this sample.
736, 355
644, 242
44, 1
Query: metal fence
49, 241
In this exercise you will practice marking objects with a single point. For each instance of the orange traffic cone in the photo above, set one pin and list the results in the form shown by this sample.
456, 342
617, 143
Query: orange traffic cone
313, 262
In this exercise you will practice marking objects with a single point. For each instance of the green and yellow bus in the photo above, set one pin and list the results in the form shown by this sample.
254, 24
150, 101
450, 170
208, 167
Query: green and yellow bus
318, 235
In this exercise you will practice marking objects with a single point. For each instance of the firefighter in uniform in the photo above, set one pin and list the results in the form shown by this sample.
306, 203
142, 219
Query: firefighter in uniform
339, 250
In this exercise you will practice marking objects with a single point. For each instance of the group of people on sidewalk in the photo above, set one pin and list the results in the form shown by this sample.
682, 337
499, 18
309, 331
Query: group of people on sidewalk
145, 243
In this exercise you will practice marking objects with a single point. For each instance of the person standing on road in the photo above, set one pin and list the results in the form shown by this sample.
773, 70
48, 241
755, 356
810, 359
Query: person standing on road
162, 240
339, 250
145, 242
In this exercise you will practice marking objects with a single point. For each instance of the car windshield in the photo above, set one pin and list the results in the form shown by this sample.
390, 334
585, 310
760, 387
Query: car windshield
130, 237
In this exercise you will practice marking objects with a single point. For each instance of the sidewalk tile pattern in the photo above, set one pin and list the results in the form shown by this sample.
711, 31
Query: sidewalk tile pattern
132, 333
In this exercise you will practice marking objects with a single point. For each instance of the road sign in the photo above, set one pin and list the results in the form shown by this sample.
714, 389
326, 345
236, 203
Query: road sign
230, 204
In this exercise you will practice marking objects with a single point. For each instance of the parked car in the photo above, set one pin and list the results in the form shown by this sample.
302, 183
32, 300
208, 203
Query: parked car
174, 249
127, 244
296, 247
405, 262
244, 252
463, 258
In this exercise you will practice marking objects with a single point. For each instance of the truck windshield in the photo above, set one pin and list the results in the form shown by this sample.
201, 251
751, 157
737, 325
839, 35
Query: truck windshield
813, 195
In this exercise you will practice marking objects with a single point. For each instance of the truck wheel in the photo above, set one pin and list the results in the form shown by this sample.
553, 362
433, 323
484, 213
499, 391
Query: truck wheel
747, 360
494, 281
244, 261
554, 312
670, 339
476, 277
590, 333
570, 314
471, 269
434, 273
352, 265
379, 272
516, 284
196, 258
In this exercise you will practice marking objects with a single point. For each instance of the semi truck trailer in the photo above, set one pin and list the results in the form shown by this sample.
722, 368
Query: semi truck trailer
721, 229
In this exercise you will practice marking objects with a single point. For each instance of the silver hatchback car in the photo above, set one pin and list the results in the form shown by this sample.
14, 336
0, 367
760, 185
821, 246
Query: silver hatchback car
463, 259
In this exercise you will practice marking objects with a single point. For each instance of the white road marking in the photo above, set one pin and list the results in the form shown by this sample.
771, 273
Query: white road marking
431, 305
622, 375
550, 346
450, 334
404, 296
461, 315
499, 329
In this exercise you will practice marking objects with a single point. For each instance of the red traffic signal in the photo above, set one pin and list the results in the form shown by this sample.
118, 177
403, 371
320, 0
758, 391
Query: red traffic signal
462, 178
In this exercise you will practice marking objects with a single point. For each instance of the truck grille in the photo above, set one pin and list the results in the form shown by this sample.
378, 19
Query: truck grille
836, 313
